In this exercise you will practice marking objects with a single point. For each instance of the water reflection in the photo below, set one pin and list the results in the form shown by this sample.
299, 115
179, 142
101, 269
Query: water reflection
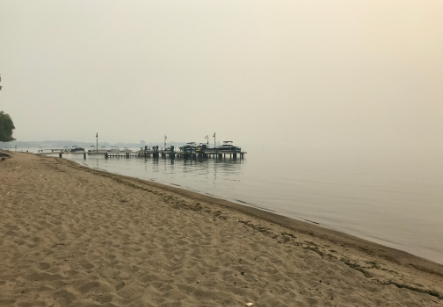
200, 174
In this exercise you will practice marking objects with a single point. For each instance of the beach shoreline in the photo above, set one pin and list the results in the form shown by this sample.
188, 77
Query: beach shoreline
188, 249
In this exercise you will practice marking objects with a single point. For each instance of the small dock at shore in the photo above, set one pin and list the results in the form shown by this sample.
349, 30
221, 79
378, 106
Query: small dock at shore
49, 151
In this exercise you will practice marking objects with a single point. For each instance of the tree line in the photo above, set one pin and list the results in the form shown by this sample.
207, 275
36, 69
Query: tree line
6, 125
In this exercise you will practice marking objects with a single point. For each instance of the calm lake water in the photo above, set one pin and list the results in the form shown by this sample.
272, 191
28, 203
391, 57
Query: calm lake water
389, 196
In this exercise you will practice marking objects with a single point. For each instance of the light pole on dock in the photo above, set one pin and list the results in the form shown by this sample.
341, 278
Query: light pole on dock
214, 141
96, 147
165, 142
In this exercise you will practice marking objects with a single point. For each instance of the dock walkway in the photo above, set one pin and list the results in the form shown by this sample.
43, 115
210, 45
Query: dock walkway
177, 154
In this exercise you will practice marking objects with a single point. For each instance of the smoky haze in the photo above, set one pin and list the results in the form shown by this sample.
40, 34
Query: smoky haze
299, 73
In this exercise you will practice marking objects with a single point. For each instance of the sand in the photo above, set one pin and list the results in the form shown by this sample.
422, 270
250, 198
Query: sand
72, 236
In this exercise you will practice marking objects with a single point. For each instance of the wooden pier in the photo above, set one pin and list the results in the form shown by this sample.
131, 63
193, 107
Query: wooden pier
148, 153
178, 154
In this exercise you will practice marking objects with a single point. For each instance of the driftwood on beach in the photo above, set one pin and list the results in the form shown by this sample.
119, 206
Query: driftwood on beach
4, 154
70, 235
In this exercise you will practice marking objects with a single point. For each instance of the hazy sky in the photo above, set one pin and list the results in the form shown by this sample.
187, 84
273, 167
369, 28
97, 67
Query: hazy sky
310, 73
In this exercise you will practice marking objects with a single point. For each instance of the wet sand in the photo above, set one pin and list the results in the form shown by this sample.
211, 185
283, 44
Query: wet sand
70, 235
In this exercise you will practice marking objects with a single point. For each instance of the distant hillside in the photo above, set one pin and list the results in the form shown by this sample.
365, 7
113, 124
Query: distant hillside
69, 144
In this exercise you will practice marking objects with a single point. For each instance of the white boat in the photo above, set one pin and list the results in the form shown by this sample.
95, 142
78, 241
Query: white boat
97, 151
191, 146
228, 146
126, 150
114, 149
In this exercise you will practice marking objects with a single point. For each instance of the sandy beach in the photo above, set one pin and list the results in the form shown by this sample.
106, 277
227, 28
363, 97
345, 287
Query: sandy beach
73, 236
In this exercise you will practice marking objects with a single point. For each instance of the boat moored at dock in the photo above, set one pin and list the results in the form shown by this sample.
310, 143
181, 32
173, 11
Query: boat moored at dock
77, 150
227, 146
126, 150
191, 146
97, 151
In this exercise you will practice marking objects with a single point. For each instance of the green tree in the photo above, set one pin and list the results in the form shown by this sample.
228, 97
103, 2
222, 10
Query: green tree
6, 127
